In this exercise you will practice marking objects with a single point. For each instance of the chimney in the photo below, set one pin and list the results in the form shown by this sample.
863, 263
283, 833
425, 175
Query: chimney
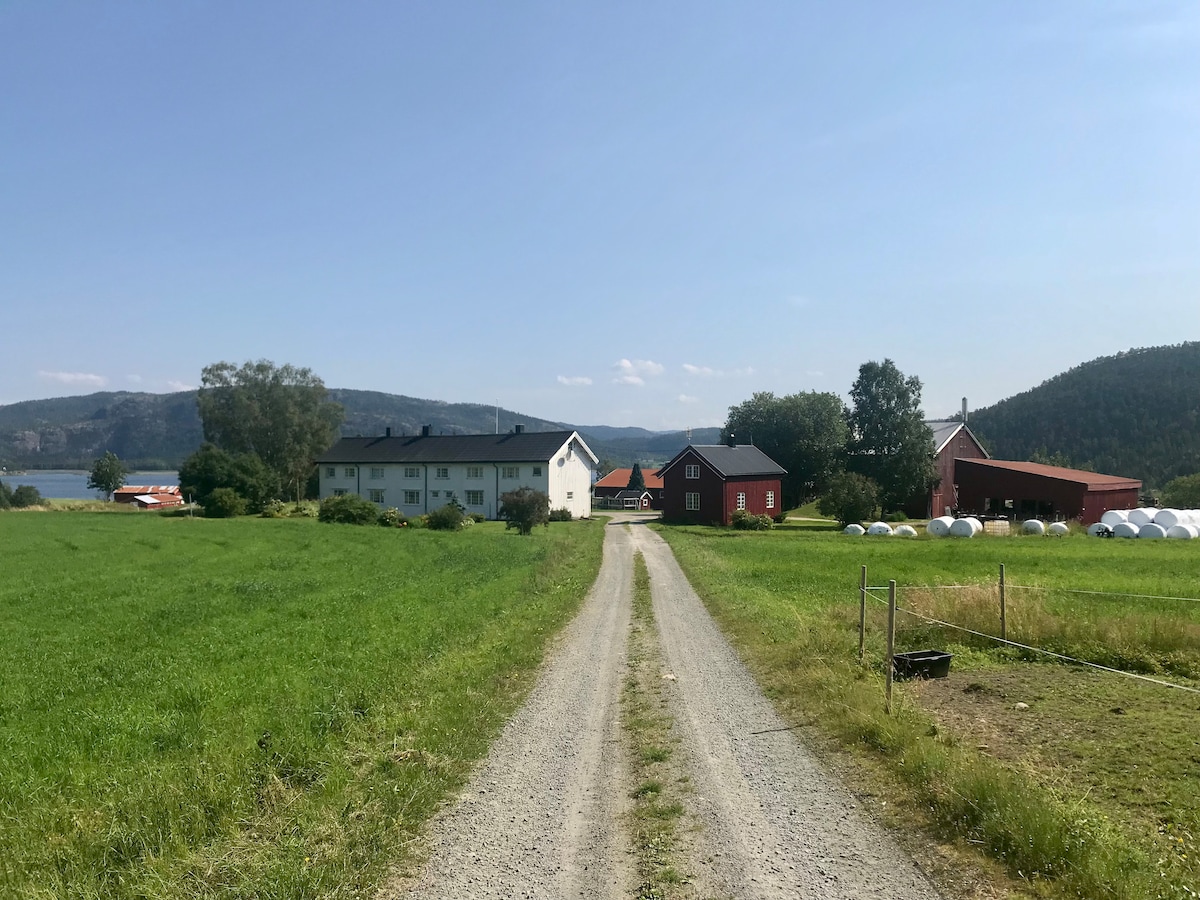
729, 439
519, 428
964, 410
388, 431
425, 430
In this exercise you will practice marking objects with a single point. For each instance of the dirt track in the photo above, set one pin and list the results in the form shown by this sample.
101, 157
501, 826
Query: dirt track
544, 815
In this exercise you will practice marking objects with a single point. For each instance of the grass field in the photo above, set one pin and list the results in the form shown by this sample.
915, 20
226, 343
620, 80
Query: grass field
1093, 790
253, 708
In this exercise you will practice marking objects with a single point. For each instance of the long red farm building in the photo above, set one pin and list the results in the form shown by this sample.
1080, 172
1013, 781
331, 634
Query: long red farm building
1026, 489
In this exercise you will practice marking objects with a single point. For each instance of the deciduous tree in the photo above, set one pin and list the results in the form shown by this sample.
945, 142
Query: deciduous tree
805, 433
281, 414
1182, 492
849, 498
523, 508
108, 475
890, 442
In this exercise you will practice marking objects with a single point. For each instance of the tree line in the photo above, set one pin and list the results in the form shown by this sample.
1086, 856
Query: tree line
877, 452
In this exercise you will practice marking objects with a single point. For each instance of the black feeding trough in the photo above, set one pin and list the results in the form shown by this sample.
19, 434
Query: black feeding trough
922, 664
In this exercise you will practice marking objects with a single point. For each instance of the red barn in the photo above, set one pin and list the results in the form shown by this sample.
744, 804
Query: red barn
1025, 490
149, 496
952, 440
704, 485
612, 486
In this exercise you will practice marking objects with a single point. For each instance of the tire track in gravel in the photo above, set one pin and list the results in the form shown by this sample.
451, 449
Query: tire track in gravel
775, 824
544, 816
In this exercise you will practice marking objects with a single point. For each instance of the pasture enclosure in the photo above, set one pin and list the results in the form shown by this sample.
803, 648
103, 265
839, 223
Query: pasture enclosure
1081, 782
253, 708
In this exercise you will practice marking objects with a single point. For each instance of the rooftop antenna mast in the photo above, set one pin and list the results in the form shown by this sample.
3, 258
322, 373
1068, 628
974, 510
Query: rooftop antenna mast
497, 415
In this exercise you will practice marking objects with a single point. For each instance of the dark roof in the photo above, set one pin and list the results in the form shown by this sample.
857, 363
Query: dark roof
731, 462
527, 446
945, 430
1091, 479
621, 495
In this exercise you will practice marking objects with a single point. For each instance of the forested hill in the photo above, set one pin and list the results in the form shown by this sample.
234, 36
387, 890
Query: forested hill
158, 431
1135, 414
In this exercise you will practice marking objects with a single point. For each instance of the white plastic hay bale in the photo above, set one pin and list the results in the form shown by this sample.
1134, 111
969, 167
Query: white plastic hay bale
1168, 517
1115, 517
963, 528
1099, 529
1182, 532
1059, 529
854, 529
1152, 531
905, 531
1033, 526
1125, 530
1143, 515
880, 528
975, 523
939, 527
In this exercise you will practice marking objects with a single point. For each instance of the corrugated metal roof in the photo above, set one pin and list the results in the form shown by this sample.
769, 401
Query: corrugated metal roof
944, 431
134, 489
731, 462
1091, 479
527, 446
619, 478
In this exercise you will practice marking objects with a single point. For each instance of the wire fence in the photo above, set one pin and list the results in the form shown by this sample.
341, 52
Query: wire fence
871, 591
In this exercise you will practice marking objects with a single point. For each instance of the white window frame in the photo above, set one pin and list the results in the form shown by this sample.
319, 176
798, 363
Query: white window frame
691, 471
331, 471
770, 499
412, 471
510, 472
375, 495
351, 471
691, 501
378, 473
474, 471
741, 500
537, 471
442, 472
474, 498
412, 498
435, 494
339, 492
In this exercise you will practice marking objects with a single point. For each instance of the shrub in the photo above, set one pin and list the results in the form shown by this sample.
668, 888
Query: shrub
447, 518
896, 516
477, 517
5, 496
748, 521
224, 503
779, 518
393, 518
303, 511
26, 495
562, 514
850, 498
523, 508
348, 509
275, 509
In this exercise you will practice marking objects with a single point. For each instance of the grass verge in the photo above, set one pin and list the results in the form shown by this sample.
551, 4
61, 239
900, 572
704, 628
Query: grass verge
657, 795
1113, 816
254, 708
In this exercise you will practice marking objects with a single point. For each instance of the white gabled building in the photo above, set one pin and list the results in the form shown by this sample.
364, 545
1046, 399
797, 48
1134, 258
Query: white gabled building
417, 474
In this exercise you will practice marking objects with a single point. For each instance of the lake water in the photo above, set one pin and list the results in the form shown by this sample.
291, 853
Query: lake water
73, 485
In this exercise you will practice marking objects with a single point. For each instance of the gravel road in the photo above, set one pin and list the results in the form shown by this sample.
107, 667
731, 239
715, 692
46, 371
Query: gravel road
544, 817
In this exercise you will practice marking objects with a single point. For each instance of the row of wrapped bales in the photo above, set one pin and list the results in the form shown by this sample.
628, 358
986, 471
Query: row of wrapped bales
1148, 522
1037, 526
881, 528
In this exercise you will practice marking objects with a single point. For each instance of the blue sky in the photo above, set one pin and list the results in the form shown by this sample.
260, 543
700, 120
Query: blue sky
618, 213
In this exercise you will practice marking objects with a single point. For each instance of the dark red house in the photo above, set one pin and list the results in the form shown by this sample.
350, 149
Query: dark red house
1024, 490
704, 485
951, 440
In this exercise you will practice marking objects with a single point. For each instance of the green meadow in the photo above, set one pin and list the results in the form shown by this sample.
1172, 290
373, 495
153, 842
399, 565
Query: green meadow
253, 708
1089, 788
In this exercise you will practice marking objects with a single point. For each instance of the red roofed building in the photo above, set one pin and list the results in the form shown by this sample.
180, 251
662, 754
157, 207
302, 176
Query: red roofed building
611, 489
149, 496
1025, 490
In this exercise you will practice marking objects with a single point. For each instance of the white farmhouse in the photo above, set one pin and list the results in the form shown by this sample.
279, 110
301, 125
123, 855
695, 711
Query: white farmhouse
420, 473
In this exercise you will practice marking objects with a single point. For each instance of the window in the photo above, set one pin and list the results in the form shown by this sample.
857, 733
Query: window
435, 493
350, 471
412, 498
570, 495
537, 471
691, 501
510, 472
770, 499
376, 472
330, 471
741, 500
376, 495
474, 471
441, 472
691, 472
412, 471
474, 498
339, 492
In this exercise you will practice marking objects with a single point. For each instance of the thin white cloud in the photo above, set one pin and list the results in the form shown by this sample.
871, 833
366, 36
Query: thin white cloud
74, 378
629, 379
574, 380
634, 371
688, 398
698, 370
180, 386
710, 372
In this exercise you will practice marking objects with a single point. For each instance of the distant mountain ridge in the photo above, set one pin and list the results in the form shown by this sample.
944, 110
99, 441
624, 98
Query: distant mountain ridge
158, 431
1135, 414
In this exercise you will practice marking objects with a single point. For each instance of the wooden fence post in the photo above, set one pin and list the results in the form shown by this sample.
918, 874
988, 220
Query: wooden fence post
891, 644
862, 613
1003, 608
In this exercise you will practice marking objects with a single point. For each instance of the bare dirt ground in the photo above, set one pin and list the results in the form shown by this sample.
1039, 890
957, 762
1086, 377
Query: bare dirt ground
546, 815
